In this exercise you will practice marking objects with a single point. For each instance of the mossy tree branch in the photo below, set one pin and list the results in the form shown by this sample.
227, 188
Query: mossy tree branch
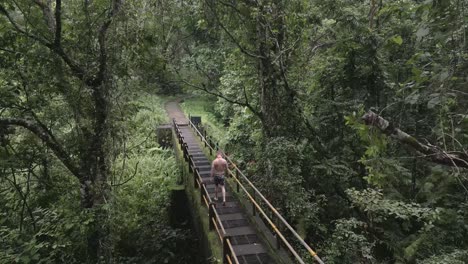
431, 152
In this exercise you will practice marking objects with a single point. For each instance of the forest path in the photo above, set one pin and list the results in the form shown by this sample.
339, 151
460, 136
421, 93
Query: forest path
230, 221
175, 112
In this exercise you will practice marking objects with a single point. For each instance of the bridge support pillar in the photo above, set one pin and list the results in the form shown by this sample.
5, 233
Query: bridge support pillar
195, 176
210, 216
202, 190
190, 165
164, 134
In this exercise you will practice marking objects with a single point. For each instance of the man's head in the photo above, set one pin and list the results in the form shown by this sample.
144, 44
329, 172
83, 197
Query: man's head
219, 155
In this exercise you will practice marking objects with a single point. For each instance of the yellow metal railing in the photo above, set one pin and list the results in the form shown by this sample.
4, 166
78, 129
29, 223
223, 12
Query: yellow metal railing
214, 219
241, 180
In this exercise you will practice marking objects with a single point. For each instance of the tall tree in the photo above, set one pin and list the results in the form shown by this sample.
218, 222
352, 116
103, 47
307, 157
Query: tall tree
71, 42
293, 75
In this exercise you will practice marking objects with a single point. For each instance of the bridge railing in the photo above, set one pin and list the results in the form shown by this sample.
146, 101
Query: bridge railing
257, 199
214, 220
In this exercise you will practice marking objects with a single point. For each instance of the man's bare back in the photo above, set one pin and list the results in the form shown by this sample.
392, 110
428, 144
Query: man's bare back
219, 166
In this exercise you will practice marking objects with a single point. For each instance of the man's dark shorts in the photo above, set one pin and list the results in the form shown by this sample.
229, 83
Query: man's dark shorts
219, 180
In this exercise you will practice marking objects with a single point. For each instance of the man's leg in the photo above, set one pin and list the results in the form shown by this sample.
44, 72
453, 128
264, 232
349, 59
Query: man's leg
223, 190
216, 189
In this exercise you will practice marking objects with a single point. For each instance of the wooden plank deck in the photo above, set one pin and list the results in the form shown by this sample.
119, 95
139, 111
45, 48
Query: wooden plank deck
247, 245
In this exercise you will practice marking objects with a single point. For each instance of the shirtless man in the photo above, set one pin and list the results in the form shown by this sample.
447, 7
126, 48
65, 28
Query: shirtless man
218, 170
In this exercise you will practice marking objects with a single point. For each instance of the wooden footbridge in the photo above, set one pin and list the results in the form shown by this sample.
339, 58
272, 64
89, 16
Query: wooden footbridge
248, 226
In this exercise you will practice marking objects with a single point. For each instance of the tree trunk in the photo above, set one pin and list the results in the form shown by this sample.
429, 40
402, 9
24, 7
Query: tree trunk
89, 164
278, 103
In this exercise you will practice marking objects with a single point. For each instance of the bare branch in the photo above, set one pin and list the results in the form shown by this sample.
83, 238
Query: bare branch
20, 30
220, 95
233, 39
458, 91
197, 65
46, 11
58, 23
46, 136
56, 28
434, 153
116, 4
231, 6
129, 178
57, 49
372, 12
8, 50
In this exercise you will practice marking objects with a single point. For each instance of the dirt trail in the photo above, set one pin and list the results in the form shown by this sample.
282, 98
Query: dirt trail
174, 111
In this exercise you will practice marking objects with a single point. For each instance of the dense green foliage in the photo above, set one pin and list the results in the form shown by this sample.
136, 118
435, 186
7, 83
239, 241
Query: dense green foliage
144, 175
361, 196
82, 177
285, 84
42, 221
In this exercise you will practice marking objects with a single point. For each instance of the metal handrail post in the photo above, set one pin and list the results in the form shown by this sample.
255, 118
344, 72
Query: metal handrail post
225, 248
190, 163
237, 176
254, 210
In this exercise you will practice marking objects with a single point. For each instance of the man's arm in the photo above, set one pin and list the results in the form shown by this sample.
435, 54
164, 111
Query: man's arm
225, 167
212, 169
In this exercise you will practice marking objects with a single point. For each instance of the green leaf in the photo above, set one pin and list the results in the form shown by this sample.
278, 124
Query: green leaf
397, 39
25, 259
422, 32
433, 102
